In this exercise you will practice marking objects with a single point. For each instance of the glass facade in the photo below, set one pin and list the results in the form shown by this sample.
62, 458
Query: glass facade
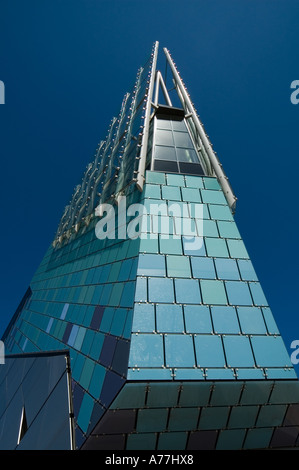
171, 340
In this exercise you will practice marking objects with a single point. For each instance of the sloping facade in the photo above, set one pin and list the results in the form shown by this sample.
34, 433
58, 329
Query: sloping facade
150, 287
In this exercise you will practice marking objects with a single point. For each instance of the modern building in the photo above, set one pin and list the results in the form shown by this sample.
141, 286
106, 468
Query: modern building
146, 316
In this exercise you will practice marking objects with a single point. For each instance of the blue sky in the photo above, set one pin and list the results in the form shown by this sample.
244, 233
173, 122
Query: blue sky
66, 65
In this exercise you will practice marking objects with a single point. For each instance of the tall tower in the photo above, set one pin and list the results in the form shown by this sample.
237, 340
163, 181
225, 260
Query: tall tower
149, 287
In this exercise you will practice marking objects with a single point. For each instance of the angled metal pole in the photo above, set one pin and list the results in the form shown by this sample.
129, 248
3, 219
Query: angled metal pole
144, 142
223, 180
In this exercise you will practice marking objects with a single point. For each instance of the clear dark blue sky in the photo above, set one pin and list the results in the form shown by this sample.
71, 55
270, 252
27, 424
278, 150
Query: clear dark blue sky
66, 65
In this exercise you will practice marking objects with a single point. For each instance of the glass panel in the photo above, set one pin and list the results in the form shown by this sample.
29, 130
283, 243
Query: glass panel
164, 153
183, 419
191, 195
237, 249
220, 212
209, 351
251, 320
149, 244
151, 265
144, 318
193, 181
210, 228
161, 395
271, 415
163, 123
182, 139
141, 289
238, 293
246, 270
152, 420
216, 247
203, 268
270, 351
197, 319
178, 125
175, 180
171, 192
238, 351
146, 351
258, 294
164, 137
187, 291
169, 318
211, 183
170, 245
243, 416
213, 197
270, 322
154, 177
230, 439
228, 229
194, 246
172, 441
152, 191
141, 441
213, 292
179, 351
214, 417
225, 320
227, 268
186, 155
258, 438
178, 266
161, 290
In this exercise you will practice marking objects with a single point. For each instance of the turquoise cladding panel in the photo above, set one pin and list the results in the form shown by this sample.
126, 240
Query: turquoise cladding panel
82, 300
200, 312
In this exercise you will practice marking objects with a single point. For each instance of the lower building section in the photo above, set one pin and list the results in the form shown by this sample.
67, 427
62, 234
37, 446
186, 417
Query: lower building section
35, 402
200, 416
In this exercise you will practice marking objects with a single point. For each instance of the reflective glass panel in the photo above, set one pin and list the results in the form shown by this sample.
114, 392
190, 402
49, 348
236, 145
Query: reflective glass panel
161, 290
144, 318
220, 212
258, 294
209, 351
270, 351
164, 137
178, 266
194, 246
191, 195
151, 265
186, 155
247, 271
225, 320
213, 197
210, 228
213, 292
170, 245
251, 320
237, 249
238, 351
227, 268
171, 192
238, 293
228, 229
182, 139
169, 318
270, 322
146, 351
198, 319
193, 181
203, 268
175, 180
211, 183
216, 247
187, 291
179, 351
165, 153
